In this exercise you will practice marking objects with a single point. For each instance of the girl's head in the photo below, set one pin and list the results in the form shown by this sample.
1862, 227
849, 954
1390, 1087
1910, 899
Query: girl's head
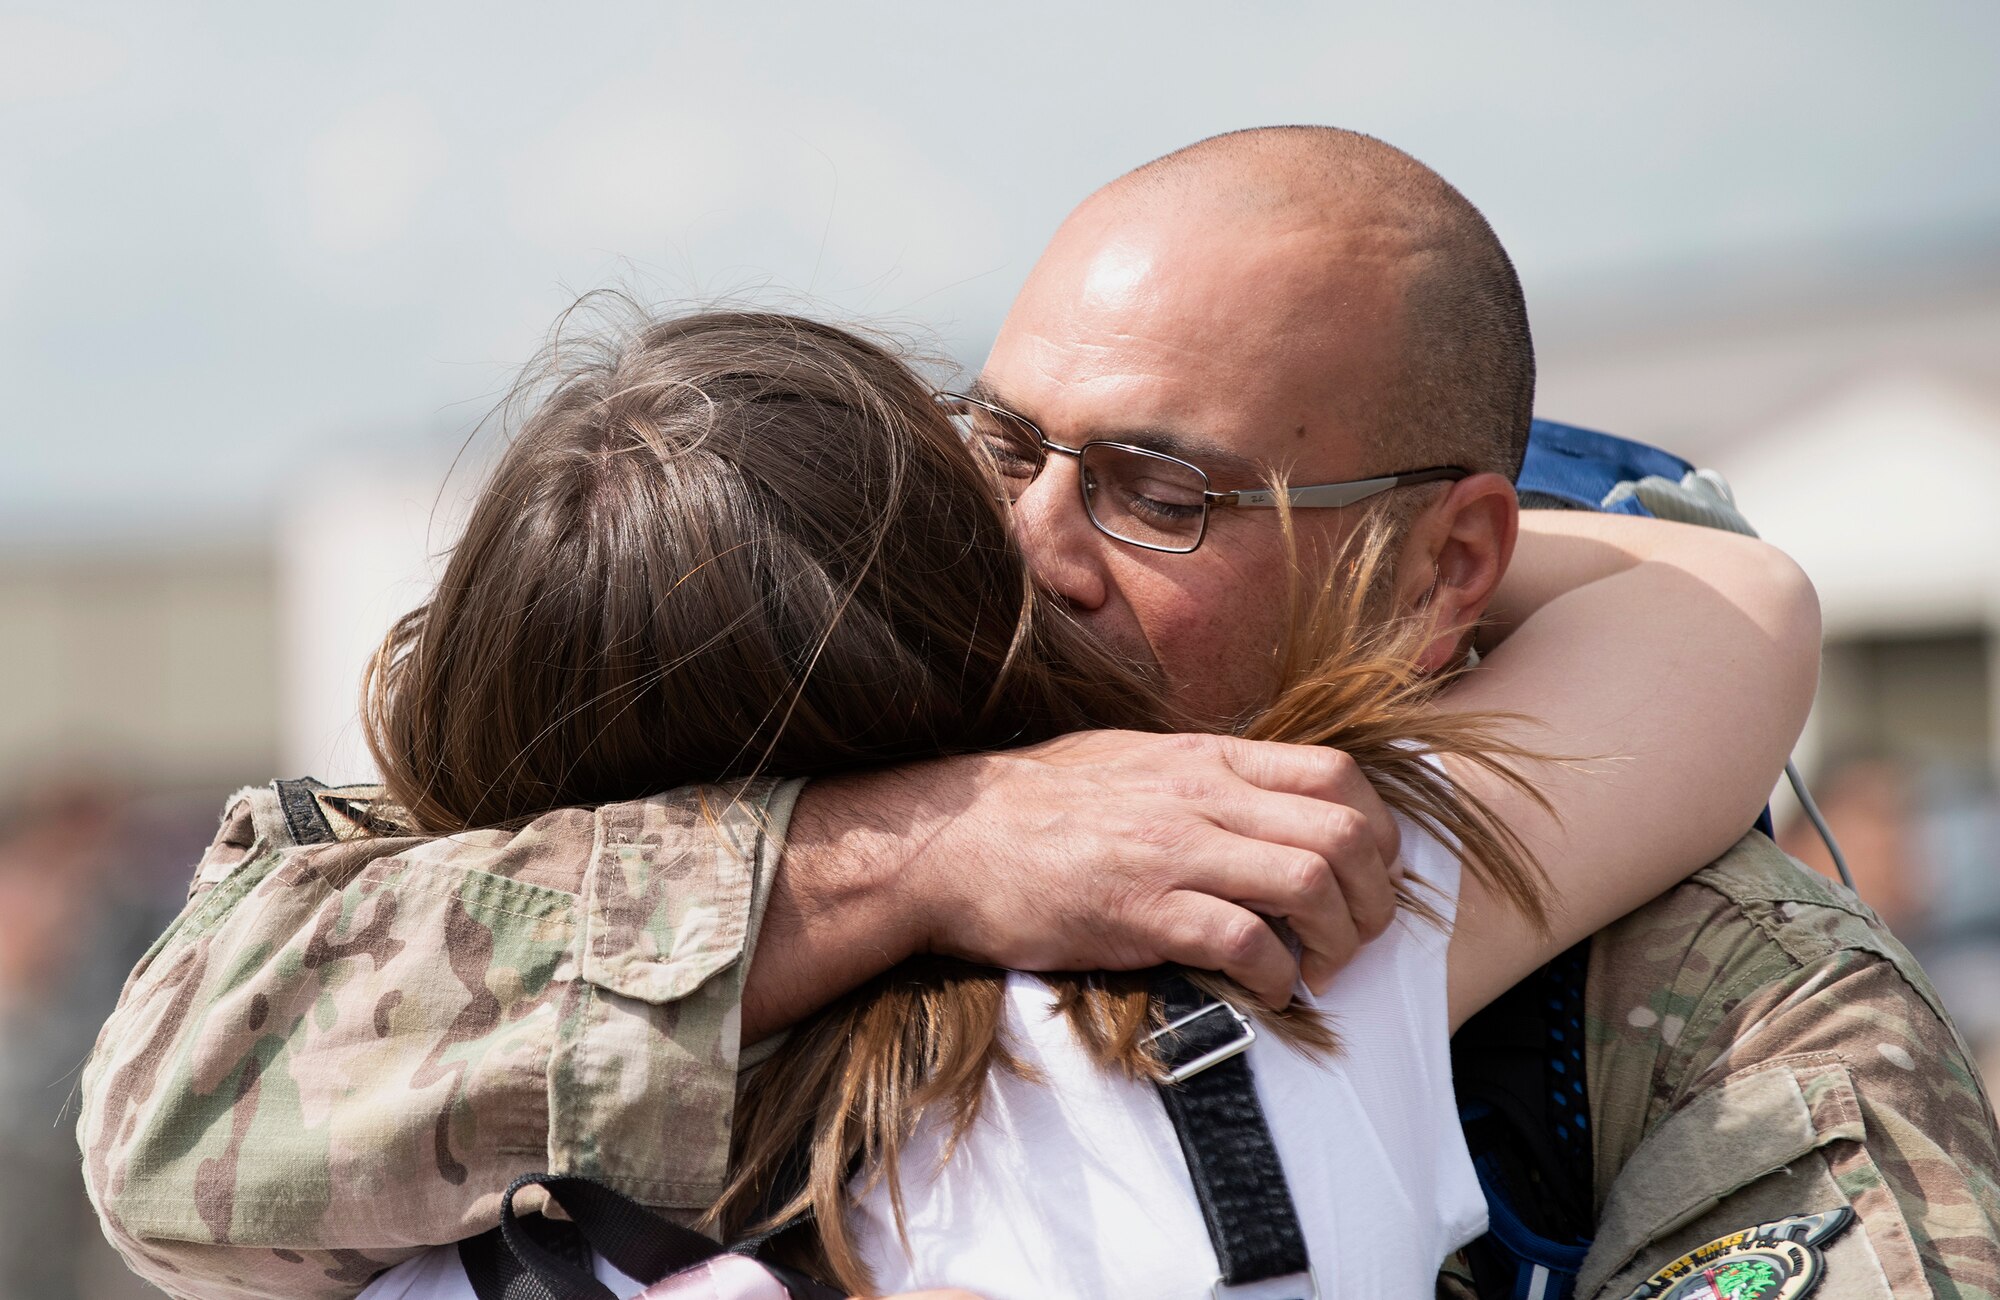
726, 542
736, 542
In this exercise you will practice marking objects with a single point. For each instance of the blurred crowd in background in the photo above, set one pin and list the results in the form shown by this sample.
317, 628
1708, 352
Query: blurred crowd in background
260, 275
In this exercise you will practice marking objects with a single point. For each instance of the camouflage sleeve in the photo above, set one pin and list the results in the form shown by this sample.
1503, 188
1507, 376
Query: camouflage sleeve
1761, 1048
339, 1053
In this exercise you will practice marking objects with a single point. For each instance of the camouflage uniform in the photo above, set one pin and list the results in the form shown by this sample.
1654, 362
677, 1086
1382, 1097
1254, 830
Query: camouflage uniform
1758, 1047
339, 1054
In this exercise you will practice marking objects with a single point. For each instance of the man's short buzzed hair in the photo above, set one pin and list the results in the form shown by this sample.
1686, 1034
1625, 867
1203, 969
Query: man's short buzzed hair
1467, 392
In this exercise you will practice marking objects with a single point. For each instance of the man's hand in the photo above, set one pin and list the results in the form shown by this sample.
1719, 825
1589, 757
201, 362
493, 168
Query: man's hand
1102, 850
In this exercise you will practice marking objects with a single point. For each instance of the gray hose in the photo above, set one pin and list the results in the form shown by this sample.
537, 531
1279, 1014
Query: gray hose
1819, 823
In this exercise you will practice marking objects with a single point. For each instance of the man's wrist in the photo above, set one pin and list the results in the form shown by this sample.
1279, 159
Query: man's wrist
851, 861
844, 903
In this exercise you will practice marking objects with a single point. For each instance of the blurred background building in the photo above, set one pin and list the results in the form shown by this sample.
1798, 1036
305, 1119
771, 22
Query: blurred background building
263, 270
1851, 397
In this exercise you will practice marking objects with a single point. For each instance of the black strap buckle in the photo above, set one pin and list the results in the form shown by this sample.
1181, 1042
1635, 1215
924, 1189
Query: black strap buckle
1190, 1026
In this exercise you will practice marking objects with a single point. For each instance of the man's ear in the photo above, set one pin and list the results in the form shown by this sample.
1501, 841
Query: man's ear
1453, 560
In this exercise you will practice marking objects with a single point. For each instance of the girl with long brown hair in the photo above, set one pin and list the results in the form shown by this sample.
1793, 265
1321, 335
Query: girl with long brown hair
739, 544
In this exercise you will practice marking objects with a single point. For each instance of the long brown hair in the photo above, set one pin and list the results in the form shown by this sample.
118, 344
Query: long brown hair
734, 543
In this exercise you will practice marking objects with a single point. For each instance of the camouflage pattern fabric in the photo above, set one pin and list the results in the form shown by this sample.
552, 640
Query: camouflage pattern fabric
1759, 1046
340, 1052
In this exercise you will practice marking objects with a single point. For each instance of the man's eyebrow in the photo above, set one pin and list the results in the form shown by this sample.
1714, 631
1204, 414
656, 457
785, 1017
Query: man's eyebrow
985, 392
1210, 456
1238, 469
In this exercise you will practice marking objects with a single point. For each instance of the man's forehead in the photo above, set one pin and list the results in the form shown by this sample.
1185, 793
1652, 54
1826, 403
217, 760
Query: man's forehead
1250, 340
1263, 275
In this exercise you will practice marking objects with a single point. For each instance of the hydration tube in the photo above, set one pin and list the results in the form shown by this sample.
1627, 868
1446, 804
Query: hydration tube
1819, 824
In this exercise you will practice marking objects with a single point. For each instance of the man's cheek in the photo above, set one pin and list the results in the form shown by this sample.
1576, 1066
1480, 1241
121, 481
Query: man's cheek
1201, 649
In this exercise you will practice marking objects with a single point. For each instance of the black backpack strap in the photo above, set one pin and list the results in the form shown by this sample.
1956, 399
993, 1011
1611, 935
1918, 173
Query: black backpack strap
787, 1183
542, 1259
1211, 1097
496, 1275
299, 801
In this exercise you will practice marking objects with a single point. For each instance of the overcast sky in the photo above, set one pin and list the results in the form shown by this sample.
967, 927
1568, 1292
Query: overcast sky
238, 240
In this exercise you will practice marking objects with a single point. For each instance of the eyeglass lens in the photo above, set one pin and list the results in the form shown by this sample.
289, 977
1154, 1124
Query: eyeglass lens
1142, 497
1132, 494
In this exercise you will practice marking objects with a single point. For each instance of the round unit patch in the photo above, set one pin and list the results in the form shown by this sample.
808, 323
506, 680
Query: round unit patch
1772, 1261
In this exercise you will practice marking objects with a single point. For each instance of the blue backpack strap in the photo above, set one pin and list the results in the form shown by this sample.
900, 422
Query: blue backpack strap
1546, 1270
1577, 468
1518, 1069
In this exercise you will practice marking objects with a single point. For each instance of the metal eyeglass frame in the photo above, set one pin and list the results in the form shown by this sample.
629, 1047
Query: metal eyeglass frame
1317, 496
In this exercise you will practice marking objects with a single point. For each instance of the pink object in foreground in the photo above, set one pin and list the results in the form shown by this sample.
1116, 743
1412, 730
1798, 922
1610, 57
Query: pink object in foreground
726, 1277
733, 1277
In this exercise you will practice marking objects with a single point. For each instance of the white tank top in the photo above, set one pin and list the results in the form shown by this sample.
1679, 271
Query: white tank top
1075, 1186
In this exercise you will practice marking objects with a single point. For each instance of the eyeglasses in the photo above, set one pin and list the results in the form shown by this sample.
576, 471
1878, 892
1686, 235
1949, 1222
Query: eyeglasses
1140, 497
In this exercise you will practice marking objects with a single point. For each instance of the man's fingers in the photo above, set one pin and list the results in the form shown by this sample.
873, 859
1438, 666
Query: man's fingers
1274, 880
1208, 934
1315, 772
1169, 848
1354, 873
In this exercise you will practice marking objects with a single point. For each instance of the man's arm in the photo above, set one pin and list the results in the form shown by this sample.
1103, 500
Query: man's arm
347, 1044
342, 1051
1104, 850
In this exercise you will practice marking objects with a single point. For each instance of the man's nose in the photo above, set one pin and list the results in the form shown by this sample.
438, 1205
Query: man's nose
1065, 551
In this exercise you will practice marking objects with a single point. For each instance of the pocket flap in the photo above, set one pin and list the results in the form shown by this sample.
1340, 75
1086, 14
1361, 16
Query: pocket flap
1749, 1125
668, 891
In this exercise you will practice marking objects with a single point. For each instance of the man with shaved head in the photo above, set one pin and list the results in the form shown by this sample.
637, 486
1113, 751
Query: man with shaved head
1749, 1063
1298, 298
1316, 300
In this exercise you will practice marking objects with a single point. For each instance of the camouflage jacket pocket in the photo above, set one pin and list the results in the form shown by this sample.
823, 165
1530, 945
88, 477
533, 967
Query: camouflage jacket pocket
666, 899
642, 1083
